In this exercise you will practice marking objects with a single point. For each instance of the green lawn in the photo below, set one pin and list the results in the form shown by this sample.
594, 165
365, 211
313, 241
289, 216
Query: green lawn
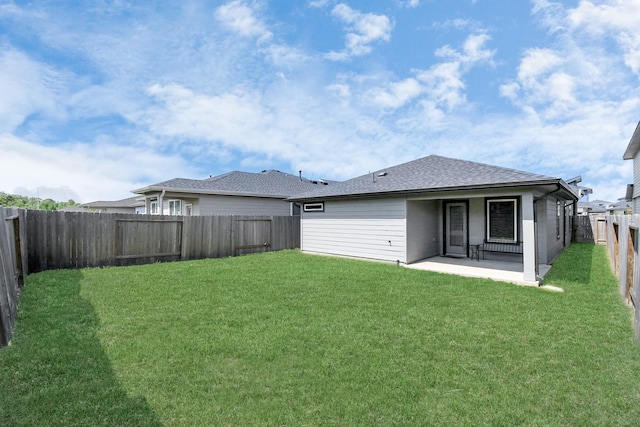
293, 339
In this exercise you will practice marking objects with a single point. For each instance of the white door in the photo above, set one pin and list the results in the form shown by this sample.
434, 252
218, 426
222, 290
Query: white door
456, 229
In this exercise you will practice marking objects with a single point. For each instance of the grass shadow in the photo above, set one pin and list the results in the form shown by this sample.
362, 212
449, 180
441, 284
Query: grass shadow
56, 372
577, 264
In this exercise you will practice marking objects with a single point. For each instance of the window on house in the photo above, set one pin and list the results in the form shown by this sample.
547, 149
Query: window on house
153, 207
502, 223
313, 207
188, 209
175, 207
558, 217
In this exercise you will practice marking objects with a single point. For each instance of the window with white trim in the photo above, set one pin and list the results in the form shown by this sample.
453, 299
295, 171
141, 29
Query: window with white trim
153, 207
558, 216
313, 207
502, 220
175, 207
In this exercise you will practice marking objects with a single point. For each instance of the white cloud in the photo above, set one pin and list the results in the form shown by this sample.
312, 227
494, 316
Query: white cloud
442, 84
319, 3
226, 117
581, 70
239, 17
619, 20
104, 170
363, 29
397, 95
27, 87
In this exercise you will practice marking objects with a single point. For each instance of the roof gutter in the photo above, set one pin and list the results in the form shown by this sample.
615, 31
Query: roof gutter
429, 190
210, 192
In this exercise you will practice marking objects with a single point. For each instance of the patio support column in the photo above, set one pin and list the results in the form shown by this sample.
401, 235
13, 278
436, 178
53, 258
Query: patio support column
528, 238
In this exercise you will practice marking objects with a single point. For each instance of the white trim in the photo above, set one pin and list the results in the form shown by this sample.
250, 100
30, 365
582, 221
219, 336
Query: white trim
515, 220
314, 207
172, 207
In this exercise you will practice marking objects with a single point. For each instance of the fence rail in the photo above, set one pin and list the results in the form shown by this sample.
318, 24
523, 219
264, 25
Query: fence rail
13, 267
82, 239
623, 245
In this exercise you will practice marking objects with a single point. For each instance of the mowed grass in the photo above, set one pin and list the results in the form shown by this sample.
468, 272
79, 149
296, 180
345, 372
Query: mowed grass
293, 339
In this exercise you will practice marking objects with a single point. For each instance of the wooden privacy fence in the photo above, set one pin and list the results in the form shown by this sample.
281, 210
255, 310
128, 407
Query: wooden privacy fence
591, 229
13, 267
82, 239
623, 245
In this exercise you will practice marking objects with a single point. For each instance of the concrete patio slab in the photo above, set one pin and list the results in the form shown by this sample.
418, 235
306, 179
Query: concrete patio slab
504, 271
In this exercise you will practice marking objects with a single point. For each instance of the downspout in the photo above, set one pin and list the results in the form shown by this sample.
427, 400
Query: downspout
161, 202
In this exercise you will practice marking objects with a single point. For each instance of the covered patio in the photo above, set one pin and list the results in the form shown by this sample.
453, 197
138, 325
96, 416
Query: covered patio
506, 271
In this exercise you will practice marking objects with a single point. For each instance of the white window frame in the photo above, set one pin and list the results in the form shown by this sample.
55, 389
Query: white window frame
153, 207
558, 216
515, 220
313, 207
188, 209
172, 207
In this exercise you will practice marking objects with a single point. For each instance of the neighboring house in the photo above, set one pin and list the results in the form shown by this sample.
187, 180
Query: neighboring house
596, 207
439, 206
621, 207
233, 193
70, 208
128, 205
633, 153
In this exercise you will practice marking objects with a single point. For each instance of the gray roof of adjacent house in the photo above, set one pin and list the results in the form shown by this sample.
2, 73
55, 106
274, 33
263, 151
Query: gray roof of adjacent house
634, 144
595, 206
430, 174
268, 183
129, 202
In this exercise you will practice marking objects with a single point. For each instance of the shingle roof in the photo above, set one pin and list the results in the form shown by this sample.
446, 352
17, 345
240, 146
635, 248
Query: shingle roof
268, 183
129, 202
431, 173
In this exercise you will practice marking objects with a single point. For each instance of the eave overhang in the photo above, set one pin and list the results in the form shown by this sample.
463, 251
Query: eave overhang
634, 145
196, 192
558, 185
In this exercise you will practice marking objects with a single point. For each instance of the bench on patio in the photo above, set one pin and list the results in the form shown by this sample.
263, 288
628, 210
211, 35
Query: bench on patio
501, 247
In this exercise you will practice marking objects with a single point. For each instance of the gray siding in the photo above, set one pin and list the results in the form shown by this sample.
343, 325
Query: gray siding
424, 235
477, 221
541, 234
237, 205
359, 228
554, 244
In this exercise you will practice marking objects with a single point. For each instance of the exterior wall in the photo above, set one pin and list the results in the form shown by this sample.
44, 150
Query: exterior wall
542, 217
113, 210
554, 243
424, 229
229, 205
371, 228
236, 205
477, 221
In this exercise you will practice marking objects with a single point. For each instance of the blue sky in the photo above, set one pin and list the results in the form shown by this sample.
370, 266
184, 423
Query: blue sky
100, 98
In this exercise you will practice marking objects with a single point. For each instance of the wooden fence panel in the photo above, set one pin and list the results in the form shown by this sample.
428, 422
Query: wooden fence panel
147, 240
13, 267
584, 229
252, 235
83, 239
622, 245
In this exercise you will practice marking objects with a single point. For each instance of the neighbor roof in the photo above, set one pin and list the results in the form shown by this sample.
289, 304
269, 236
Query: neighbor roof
268, 183
634, 144
129, 202
432, 173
